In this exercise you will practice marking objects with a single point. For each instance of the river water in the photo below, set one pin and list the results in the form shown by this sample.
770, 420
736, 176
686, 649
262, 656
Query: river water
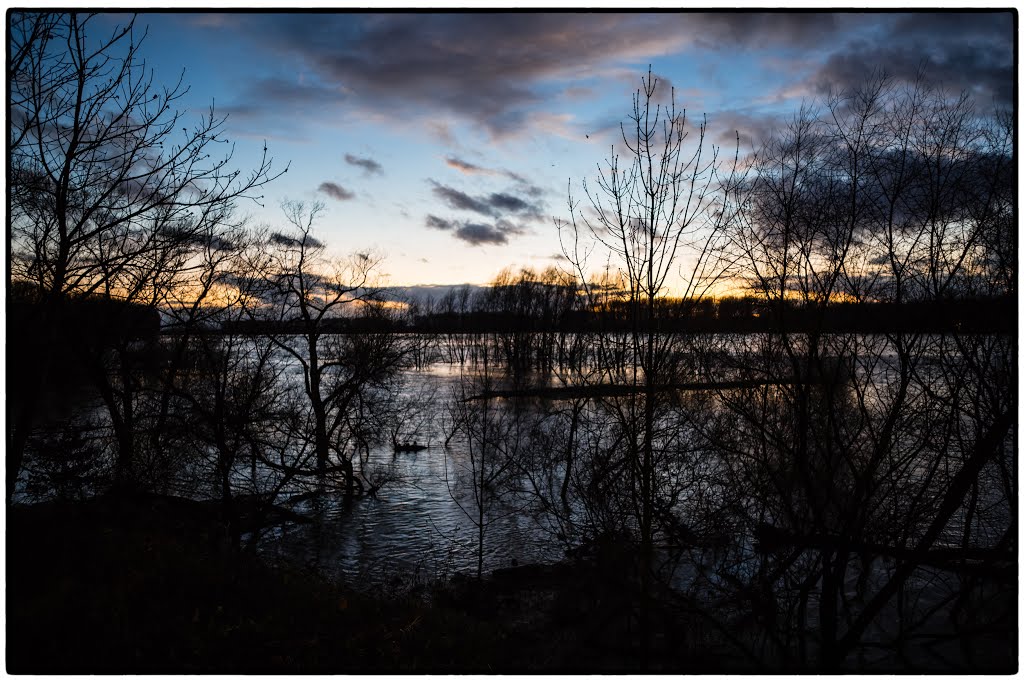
422, 525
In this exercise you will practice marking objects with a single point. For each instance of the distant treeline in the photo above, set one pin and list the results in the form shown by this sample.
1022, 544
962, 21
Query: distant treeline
727, 315
92, 320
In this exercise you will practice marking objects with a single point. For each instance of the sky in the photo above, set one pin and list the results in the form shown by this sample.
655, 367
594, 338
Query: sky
446, 142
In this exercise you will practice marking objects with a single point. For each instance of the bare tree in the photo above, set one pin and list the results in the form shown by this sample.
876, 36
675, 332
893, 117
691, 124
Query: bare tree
858, 447
657, 218
655, 224
492, 435
306, 299
111, 187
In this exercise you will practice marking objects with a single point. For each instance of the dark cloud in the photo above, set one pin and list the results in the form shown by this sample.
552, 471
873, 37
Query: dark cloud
493, 205
507, 202
956, 68
970, 52
480, 233
491, 69
368, 165
497, 71
746, 30
995, 28
476, 233
336, 191
438, 223
457, 199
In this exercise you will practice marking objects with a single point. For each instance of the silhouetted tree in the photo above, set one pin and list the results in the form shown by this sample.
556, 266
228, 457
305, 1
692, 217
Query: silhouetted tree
856, 447
492, 434
657, 218
307, 295
110, 192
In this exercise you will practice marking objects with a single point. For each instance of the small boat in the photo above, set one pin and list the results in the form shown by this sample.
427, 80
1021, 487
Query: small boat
409, 447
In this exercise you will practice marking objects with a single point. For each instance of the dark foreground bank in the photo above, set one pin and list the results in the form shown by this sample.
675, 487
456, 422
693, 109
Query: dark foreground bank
144, 585
147, 585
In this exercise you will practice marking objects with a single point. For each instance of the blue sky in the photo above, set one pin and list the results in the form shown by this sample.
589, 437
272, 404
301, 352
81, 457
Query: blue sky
446, 141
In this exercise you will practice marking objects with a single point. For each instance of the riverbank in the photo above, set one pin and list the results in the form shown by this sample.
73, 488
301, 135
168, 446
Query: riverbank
144, 585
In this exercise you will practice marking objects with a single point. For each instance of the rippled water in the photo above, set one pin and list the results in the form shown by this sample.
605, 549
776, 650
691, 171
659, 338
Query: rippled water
417, 526
414, 527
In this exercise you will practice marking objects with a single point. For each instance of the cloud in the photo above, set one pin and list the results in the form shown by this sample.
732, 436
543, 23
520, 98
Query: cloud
506, 202
756, 30
753, 128
368, 165
971, 52
579, 92
995, 28
473, 169
335, 191
492, 205
442, 132
438, 223
260, 101
480, 233
955, 67
487, 71
525, 184
501, 73
467, 167
493, 71
457, 199
476, 233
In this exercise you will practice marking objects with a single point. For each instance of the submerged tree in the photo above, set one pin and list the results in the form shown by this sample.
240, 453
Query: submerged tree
306, 299
529, 309
492, 435
227, 409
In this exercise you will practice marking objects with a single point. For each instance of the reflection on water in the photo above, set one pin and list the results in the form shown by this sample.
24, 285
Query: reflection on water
411, 527
415, 526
